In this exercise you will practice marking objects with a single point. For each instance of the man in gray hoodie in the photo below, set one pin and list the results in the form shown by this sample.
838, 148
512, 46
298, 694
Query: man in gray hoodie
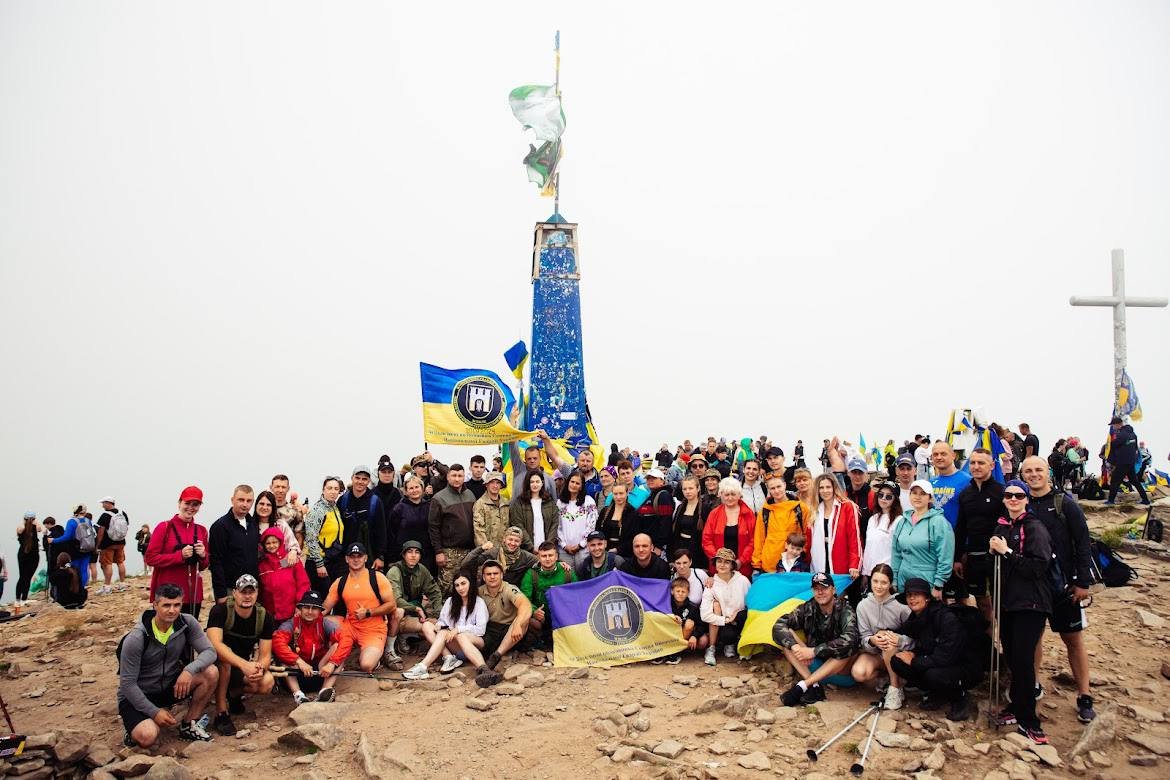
153, 674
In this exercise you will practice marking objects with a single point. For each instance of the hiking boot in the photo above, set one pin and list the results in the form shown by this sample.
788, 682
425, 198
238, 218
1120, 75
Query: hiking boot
192, 731
1085, 711
391, 660
1109, 503
1005, 718
814, 694
1039, 692
326, 695
450, 664
128, 740
709, 656
959, 711
1037, 734
223, 724
493, 660
236, 705
791, 697
674, 660
300, 698
416, 672
487, 677
895, 698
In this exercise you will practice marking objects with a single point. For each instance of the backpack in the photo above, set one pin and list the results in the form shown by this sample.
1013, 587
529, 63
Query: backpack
976, 642
86, 537
119, 526
1114, 572
1154, 527
373, 586
1056, 575
1091, 489
230, 622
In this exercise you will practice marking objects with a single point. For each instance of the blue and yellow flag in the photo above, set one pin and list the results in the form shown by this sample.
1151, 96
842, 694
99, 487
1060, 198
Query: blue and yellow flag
1158, 478
771, 597
612, 620
1127, 403
516, 357
466, 406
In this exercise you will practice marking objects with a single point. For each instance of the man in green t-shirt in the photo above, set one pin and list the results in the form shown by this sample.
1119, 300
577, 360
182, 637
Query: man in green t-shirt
544, 575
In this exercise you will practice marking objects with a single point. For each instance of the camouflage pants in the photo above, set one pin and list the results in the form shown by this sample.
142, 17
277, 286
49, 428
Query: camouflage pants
455, 556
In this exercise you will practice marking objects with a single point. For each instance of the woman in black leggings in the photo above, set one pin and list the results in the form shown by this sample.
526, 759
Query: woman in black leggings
28, 554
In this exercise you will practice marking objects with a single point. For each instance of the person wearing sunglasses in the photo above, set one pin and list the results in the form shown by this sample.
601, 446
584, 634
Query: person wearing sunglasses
1024, 549
879, 533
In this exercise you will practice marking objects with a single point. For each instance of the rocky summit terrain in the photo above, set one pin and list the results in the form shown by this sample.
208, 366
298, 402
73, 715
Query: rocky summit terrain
58, 680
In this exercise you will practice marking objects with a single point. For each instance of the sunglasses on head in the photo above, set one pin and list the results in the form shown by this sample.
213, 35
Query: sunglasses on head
1014, 496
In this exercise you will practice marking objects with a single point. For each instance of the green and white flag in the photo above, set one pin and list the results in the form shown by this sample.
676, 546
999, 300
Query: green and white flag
539, 110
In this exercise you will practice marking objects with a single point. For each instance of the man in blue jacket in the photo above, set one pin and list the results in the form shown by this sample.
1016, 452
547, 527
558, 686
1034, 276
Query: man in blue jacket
1123, 456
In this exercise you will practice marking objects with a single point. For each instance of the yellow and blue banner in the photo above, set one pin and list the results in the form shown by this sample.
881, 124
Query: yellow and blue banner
1158, 478
516, 357
466, 406
771, 597
1127, 403
612, 620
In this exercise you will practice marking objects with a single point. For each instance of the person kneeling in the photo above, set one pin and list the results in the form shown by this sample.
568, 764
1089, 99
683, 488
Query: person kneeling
148, 659
462, 624
724, 607
238, 629
368, 597
936, 664
879, 620
418, 597
316, 645
508, 615
830, 628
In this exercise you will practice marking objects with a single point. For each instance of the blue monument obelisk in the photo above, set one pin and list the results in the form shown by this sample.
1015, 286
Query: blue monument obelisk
557, 366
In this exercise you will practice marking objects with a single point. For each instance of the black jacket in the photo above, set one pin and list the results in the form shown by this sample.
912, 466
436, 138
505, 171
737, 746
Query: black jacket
657, 570
1123, 448
408, 522
937, 635
234, 551
979, 510
1069, 537
1024, 577
654, 518
364, 521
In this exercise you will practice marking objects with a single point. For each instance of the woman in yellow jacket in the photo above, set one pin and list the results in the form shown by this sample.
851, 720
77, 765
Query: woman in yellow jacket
323, 533
779, 517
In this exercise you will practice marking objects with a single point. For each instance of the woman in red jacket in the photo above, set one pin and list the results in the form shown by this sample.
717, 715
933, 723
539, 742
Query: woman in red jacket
280, 584
178, 552
835, 543
732, 524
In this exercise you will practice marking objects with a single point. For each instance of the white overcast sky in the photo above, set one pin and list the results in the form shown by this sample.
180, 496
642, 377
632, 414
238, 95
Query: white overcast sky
230, 231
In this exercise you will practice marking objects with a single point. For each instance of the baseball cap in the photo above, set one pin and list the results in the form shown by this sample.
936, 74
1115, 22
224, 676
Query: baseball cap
1117, 421
311, 599
725, 553
357, 548
822, 580
856, 464
656, 473
1018, 483
363, 469
924, 485
774, 452
595, 535
905, 460
916, 585
108, 500
191, 493
712, 474
411, 545
385, 464
247, 581
417, 460
493, 475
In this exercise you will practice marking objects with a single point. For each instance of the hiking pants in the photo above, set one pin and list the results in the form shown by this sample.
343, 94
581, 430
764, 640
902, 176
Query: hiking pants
944, 682
1021, 632
1121, 472
27, 563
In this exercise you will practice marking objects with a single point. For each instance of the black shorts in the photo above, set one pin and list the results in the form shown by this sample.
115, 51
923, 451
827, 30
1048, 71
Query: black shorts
493, 635
1068, 616
132, 717
976, 574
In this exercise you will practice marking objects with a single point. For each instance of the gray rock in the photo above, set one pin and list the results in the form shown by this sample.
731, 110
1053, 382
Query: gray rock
622, 755
196, 748
756, 735
25, 767
319, 712
1144, 759
167, 768
1048, 754
1150, 620
734, 725
835, 714
764, 716
509, 689
891, 739
692, 680
312, 736
366, 758
633, 708
743, 706
579, 674
718, 749
1099, 759
935, 761
1151, 742
668, 748
1145, 713
532, 679
41, 741
730, 683
480, 705
756, 760
642, 723
514, 671
100, 774
714, 704
1098, 735
248, 747
607, 728
401, 755
100, 755
132, 766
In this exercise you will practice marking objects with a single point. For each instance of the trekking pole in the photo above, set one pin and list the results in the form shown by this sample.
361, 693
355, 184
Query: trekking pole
859, 766
996, 646
814, 754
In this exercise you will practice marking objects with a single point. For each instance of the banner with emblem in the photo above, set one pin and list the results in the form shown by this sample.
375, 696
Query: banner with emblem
612, 620
466, 406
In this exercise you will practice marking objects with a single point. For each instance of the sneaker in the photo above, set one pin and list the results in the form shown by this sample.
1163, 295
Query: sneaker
326, 695
1085, 711
1005, 718
191, 731
1037, 734
493, 660
300, 698
658, 661
236, 705
792, 696
104, 590
813, 695
416, 672
959, 711
223, 724
487, 676
929, 703
674, 660
894, 699
1039, 692
128, 740
391, 660
729, 651
709, 656
1110, 503
450, 664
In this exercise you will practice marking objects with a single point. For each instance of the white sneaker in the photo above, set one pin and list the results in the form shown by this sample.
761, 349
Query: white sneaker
709, 656
895, 698
728, 651
416, 672
105, 590
300, 698
450, 664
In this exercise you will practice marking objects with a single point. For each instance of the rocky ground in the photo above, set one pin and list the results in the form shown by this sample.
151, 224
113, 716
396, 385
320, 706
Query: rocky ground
636, 721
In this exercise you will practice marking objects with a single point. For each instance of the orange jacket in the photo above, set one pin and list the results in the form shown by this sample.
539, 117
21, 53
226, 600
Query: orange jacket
775, 522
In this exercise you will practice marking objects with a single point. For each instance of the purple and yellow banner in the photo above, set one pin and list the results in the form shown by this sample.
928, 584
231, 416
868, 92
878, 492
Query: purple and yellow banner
612, 620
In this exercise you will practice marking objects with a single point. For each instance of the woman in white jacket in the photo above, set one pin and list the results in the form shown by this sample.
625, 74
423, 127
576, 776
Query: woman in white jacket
879, 622
462, 623
724, 605
879, 534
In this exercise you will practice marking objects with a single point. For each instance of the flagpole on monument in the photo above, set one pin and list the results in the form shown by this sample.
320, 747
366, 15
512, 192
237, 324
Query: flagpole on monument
557, 86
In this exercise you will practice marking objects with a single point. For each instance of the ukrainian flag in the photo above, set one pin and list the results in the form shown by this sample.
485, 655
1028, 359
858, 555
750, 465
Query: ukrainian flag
1157, 478
771, 597
612, 620
466, 406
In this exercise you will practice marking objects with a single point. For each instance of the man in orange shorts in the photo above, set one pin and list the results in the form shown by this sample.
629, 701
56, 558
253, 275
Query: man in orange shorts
368, 597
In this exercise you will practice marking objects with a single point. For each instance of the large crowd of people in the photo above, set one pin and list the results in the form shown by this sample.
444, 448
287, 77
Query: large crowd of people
436, 562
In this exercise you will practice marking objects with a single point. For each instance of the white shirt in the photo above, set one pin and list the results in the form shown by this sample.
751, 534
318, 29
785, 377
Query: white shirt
879, 540
474, 624
819, 564
537, 522
697, 580
732, 598
904, 499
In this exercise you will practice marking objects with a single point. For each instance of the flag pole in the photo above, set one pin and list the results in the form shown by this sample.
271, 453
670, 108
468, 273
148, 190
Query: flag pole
557, 180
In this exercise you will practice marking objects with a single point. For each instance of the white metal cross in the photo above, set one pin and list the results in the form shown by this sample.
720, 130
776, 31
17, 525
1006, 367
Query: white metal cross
1118, 302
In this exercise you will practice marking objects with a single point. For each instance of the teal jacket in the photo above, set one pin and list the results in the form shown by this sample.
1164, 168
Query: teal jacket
924, 549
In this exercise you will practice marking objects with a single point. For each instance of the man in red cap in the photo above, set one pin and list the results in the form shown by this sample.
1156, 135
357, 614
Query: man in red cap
178, 552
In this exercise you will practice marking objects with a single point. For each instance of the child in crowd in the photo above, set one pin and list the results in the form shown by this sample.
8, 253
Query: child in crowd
281, 584
793, 558
686, 614
316, 645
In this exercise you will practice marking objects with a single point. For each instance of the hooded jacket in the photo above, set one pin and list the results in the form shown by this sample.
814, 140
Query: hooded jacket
874, 616
280, 585
410, 585
776, 521
164, 554
1025, 584
924, 549
746, 532
937, 635
310, 642
146, 666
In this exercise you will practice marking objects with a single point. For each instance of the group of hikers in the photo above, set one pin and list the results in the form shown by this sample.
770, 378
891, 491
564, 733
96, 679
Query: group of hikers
442, 564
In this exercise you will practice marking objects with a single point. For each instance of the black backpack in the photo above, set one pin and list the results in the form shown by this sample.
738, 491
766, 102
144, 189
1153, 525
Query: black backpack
1154, 527
373, 586
1114, 572
1091, 490
976, 642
